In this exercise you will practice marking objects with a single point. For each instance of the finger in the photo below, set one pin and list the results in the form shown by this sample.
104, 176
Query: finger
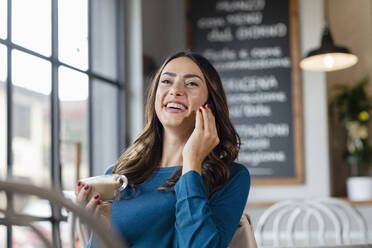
82, 197
78, 187
199, 125
212, 119
91, 206
209, 122
99, 209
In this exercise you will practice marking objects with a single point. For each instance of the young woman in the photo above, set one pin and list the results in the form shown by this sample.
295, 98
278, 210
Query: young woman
184, 188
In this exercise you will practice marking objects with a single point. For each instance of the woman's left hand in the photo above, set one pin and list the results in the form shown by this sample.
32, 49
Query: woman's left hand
202, 141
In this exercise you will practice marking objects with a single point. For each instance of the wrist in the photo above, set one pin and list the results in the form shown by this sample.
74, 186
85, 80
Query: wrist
189, 166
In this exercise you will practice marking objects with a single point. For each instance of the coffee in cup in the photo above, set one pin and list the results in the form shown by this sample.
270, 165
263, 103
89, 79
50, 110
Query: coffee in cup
108, 186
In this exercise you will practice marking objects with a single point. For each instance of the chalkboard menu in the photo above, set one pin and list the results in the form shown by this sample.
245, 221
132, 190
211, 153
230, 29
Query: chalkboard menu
253, 44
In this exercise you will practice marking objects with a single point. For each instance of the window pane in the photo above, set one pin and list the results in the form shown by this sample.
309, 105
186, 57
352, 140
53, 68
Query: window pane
3, 63
104, 38
32, 206
3, 19
3, 239
26, 237
73, 95
31, 25
73, 32
105, 124
31, 118
3, 121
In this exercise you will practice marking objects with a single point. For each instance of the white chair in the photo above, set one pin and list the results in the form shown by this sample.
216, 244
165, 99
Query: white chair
57, 201
296, 223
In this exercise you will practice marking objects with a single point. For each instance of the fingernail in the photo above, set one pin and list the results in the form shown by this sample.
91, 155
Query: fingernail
213, 114
200, 110
99, 202
96, 196
86, 187
208, 106
79, 184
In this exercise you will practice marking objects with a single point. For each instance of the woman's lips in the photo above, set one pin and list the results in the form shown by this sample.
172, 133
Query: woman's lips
174, 111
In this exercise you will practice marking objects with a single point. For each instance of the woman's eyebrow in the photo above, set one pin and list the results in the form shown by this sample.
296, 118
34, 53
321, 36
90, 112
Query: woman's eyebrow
192, 75
172, 74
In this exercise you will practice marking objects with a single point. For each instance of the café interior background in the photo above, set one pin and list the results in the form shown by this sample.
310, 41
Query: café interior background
153, 30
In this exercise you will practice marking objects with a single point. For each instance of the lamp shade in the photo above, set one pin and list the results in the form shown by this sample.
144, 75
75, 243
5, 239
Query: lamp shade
328, 57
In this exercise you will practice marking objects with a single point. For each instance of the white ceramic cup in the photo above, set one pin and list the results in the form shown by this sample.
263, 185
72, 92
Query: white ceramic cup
108, 186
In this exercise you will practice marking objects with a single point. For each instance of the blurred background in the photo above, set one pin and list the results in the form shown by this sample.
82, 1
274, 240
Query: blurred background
73, 81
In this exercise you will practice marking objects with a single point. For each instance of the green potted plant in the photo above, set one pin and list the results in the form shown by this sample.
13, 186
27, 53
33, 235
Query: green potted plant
353, 110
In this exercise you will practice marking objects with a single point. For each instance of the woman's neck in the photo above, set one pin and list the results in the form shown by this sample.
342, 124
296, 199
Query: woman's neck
173, 144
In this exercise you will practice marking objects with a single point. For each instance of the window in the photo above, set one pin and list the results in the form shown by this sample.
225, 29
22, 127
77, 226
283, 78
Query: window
3, 105
64, 85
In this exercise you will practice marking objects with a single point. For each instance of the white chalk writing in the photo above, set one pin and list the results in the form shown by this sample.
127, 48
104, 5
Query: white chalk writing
265, 97
243, 5
249, 110
255, 144
244, 18
223, 54
261, 31
220, 35
263, 130
256, 64
256, 158
250, 83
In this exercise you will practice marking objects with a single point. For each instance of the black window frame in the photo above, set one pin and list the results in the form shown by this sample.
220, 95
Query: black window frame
55, 170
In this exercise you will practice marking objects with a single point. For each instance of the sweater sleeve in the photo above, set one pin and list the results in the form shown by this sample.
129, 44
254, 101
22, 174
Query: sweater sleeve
202, 222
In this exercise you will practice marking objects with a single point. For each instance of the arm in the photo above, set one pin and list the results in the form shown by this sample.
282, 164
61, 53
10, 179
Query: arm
209, 223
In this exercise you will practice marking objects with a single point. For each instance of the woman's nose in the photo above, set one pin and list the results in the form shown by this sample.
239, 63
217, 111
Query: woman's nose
176, 89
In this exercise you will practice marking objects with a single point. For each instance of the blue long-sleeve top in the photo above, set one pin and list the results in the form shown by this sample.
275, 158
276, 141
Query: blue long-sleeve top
186, 218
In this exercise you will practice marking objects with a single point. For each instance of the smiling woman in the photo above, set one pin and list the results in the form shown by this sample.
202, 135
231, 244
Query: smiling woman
182, 178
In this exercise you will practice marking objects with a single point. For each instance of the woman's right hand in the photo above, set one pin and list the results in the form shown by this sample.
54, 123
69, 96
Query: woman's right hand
100, 210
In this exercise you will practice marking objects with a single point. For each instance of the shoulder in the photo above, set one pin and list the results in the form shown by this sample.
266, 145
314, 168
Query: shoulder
238, 184
109, 169
239, 177
237, 169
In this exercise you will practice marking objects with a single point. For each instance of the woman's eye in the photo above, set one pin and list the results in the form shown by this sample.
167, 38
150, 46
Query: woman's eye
191, 84
165, 81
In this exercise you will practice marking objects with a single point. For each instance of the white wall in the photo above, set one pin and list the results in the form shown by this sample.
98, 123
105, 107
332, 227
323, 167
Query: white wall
164, 31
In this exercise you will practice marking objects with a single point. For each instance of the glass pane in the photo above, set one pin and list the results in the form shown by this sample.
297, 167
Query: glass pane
105, 124
31, 118
73, 95
3, 72
3, 239
3, 63
73, 32
26, 237
3, 19
104, 41
31, 25
3, 203
65, 236
34, 206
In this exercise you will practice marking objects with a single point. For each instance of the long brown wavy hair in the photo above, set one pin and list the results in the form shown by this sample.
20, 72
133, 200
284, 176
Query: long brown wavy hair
140, 160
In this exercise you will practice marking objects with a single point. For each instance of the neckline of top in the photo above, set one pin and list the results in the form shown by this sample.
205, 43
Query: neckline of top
167, 169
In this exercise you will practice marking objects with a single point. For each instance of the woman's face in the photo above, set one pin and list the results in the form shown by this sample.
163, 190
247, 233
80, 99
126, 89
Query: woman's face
182, 89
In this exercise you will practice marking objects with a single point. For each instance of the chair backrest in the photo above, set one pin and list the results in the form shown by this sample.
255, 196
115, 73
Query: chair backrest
295, 223
244, 234
56, 200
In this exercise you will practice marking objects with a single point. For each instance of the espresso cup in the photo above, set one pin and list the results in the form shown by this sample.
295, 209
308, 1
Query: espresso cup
108, 186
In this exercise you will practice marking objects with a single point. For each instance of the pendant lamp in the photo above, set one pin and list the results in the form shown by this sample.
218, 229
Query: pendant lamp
328, 57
